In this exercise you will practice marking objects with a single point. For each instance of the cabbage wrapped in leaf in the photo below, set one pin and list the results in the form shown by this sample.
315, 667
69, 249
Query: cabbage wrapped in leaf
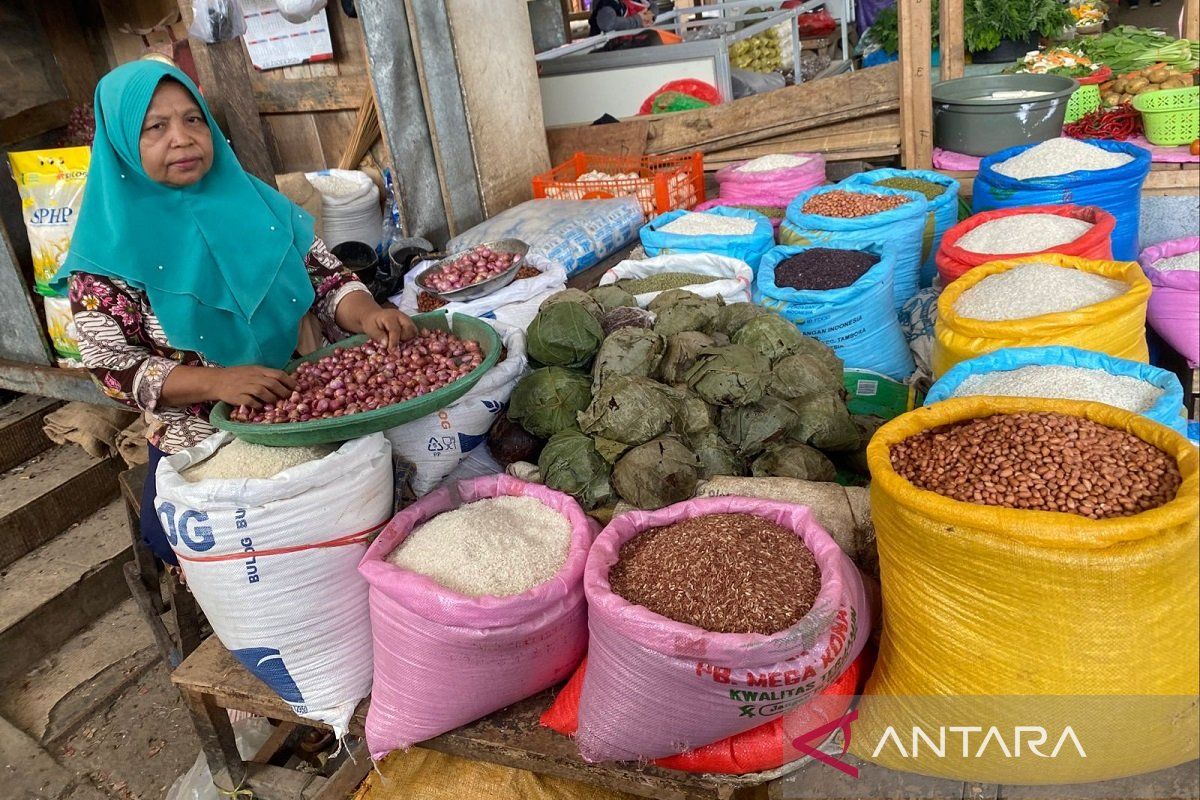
752, 427
577, 296
681, 353
612, 296
729, 376
549, 400
569, 463
631, 351
564, 334
771, 335
656, 474
792, 459
628, 410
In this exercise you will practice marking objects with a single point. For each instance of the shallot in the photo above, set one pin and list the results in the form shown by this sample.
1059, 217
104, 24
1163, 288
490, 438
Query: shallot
351, 380
472, 267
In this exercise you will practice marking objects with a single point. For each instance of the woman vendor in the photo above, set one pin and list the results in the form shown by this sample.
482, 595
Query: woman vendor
188, 277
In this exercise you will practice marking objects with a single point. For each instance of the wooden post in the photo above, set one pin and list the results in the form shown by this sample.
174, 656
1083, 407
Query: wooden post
950, 38
1191, 20
916, 110
225, 79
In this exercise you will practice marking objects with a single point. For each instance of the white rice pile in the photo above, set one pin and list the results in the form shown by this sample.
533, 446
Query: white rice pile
238, 459
1187, 262
1034, 289
773, 162
1059, 157
501, 546
697, 223
1064, 383
1023, 233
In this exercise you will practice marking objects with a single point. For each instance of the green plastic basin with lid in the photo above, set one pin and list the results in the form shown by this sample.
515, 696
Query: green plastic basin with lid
340, 429
972, 115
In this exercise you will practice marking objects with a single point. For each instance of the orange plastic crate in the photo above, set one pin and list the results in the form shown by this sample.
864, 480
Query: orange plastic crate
663, 183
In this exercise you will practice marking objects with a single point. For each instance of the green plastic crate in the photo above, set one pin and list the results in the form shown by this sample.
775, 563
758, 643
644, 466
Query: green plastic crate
340, 429
1170, 116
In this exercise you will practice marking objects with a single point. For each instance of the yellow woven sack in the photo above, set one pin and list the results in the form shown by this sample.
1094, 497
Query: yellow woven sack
1005, 628
1116, 327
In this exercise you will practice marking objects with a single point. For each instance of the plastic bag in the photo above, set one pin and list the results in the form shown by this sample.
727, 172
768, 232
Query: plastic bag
350, 210
769, 746
197, 783
1174, 310
1167, 411
733, 284
272, 562
776, 187
1118, 191
999, 618
705, 94
443, 659
746, 83
902, 229
50, 183
217, 20
299, 11
943, 210
678, 704
516, 304
1096, 243
572, 234
748, 247
1116, 327
859, 321
60, 325
436, 444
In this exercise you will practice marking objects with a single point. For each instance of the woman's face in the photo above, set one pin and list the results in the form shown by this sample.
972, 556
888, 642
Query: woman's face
176, 143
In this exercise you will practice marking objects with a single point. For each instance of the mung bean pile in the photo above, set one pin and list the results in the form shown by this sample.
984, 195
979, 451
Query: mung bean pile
1065, 383
1023, 233
1040, 461
663, 281
1034, 289
851, 204
823, 268
500, 546
1188, 262
931, 190
1060, 156
698, 223
773, 162
726, 573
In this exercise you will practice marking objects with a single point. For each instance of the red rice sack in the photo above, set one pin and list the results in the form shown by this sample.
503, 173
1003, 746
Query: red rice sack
656, 687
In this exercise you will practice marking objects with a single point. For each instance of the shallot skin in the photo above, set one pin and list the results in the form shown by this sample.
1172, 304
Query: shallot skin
351, 380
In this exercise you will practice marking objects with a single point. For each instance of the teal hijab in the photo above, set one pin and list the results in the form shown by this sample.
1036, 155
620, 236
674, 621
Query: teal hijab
221, 261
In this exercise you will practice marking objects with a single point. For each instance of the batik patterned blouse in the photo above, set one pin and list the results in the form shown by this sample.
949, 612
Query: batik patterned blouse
126, 349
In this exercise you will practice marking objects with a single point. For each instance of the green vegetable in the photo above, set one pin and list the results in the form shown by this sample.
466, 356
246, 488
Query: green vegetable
575, 296
1127, 48
564, 334
629, 351
751, 428
793, 459
569, 463
547, 400
729, 376
656, 474
771, 335
628, 410
610, 297
985, 23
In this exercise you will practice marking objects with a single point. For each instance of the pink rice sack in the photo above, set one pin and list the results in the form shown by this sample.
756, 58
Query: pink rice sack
655, 687
775, 187
1174, 309
443, 659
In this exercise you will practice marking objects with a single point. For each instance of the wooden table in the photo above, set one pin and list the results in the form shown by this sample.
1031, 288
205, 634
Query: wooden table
212, 680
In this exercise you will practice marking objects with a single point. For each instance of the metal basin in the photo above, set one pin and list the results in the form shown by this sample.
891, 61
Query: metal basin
969, 118
477, 290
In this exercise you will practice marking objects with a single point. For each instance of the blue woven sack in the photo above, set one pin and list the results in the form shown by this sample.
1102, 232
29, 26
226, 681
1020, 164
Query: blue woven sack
749, 247
859, 321
1118, 191
942, 216
902, 228
1167, 411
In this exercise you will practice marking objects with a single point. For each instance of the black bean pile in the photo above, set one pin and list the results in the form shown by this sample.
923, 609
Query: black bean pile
726, 573
823, 268
1042, 461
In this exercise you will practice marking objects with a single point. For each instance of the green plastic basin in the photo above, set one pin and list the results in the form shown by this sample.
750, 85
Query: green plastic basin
340, 429
966, 119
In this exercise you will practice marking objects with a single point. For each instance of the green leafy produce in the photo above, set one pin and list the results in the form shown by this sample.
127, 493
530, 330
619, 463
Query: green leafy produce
547, 400
629, 351
733, 316
771, 335
656, 474
564, 334
681, 353
985, 23
691, 413
610, 297
685, 314
577, 296
570, 463
825, 423
729, 376
793, 459
628, 410
1127, 48
751, 428
670, 297
804, 375
716, 456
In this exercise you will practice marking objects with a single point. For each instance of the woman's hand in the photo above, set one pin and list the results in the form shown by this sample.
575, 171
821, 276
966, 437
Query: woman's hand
251, 386
359, 313
389, 326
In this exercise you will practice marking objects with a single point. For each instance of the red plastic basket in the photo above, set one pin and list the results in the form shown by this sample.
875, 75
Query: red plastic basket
663, 183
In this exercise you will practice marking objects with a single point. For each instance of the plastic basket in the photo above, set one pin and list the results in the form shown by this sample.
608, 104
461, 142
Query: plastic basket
1085, 100
663, 183
340, 429
1170, 116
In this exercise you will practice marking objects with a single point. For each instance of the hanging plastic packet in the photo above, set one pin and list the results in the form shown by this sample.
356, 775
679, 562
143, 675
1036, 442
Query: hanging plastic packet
217, 20
51, 186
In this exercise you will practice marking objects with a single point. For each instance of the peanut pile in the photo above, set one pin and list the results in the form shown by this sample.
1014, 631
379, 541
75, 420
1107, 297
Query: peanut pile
851, 204
1041, 461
